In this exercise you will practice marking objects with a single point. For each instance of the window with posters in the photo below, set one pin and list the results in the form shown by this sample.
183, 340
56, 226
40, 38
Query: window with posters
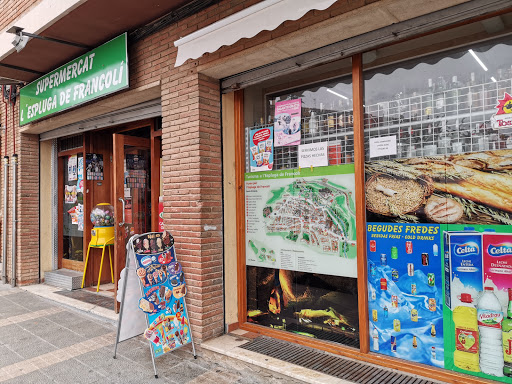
300, 209
438, 200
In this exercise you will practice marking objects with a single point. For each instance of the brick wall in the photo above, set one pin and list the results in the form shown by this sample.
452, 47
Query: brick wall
11, 9
192, 169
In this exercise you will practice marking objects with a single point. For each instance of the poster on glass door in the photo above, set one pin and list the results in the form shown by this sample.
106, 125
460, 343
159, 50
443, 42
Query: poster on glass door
287, 122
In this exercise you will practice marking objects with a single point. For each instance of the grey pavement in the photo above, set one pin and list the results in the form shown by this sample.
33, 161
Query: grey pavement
44, 342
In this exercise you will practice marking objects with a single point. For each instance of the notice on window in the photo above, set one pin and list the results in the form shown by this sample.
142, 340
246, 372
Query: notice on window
302, 220
313, 155
383, 146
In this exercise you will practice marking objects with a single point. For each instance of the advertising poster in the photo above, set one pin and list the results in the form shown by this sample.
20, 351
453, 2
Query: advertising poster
80, 168
302, 220
70, 194
405, 291
287, 122
445, 189
262, 149
94, 166
72, 168
469, 196
163, 285
478, 293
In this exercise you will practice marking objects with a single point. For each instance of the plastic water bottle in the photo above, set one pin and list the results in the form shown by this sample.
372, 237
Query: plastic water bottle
375, 337
490, 318
435, 250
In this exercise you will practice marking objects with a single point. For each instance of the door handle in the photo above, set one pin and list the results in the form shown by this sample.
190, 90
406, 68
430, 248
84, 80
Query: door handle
121, 223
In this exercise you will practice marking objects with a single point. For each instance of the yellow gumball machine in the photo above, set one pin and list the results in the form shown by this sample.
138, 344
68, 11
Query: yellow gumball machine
102, 236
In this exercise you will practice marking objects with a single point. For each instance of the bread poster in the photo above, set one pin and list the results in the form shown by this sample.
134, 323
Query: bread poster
470, 188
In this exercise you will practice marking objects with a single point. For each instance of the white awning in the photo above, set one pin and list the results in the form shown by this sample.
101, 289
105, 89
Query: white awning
266, 15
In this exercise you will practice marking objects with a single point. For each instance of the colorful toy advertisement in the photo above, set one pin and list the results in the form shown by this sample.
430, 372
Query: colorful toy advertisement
94, 166
287, 122
164, 289
405, 291
262, 149
302, 220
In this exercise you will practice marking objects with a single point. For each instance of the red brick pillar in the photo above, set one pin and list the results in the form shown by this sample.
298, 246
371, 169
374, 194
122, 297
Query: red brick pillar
192, 183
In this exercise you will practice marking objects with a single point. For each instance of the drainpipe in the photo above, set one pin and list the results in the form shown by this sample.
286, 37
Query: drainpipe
14, 215
14, 194
5, 187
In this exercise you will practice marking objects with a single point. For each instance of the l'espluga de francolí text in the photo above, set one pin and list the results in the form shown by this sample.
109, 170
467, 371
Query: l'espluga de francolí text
75, 92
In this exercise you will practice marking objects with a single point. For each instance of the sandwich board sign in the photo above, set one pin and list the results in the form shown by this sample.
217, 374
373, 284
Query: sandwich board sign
157, 309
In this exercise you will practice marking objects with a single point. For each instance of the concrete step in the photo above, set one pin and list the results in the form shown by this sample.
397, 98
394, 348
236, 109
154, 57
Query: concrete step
64, 278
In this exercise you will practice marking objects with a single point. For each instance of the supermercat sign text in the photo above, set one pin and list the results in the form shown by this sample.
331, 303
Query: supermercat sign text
97, 73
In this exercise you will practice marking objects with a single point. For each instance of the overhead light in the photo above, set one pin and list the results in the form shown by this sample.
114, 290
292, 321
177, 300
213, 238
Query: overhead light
478, 59
493, 79
337, 94
20, 41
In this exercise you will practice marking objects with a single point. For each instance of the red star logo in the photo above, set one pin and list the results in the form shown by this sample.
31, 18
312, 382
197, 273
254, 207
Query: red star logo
505, 105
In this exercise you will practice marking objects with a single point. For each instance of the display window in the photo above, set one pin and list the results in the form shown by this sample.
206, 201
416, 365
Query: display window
438, 146
71, 201
301, 268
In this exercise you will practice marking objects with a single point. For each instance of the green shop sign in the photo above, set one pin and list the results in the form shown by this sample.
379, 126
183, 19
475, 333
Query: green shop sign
100, 72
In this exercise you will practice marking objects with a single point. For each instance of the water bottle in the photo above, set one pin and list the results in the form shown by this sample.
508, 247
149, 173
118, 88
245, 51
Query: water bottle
490, 318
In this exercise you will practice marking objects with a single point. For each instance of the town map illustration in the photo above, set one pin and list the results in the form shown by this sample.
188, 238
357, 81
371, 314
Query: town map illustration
308, 222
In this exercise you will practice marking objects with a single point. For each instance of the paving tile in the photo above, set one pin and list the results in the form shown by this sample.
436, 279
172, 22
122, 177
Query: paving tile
31, 378
7, 356
71, 371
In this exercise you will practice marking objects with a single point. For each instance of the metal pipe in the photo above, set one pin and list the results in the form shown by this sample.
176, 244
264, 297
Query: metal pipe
14, 221
4, 215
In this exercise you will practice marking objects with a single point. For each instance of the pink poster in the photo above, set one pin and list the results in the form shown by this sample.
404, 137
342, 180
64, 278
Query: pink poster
497, 257
287, 123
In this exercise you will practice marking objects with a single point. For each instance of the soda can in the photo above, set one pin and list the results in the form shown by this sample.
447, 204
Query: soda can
393, 343
424, 258
431, 279
414, 315
408, 247
394, 274
373, 246
383, 259
410, 269
394, 253
432, 305
394, 301
383, 284
375, 315
413, 288
396, 325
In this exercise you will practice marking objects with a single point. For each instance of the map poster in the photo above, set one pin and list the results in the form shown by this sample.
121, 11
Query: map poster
405, 288
262, 149
302, 220
287, 122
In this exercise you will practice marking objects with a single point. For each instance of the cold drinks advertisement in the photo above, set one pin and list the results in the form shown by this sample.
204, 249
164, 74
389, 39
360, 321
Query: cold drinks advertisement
261, 149
478, 290
405, 291
302, 220
287, 122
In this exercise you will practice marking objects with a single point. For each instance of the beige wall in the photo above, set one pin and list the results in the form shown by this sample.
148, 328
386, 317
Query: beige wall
45, 193
230, 257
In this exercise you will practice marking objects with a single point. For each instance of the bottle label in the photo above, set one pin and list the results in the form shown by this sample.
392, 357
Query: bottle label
507, 346
466, 340
491, 319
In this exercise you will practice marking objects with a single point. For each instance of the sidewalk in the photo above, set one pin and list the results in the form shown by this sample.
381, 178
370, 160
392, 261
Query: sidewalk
44, 342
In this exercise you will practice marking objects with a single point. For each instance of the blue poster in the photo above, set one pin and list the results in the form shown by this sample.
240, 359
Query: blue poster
163, 285
405, 291
261, 145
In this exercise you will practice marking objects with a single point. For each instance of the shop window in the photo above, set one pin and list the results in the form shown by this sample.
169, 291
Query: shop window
438, 145
73, 208
72, 142
300, 207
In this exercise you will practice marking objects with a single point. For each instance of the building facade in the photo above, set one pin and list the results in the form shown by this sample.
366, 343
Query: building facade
399, 100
